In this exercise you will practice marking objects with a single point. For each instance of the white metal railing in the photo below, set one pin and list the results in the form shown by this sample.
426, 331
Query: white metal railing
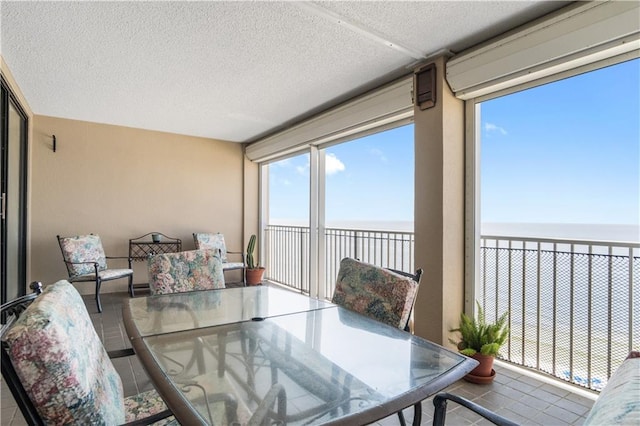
574, 304
287, 258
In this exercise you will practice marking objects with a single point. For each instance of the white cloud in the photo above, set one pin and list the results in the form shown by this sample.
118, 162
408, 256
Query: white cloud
333, 164
377, 153
490, 127
281, 163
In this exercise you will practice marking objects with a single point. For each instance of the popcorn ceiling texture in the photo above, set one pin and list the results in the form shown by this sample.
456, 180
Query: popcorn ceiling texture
227, 70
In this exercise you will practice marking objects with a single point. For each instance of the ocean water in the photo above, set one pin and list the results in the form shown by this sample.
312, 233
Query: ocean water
574, 231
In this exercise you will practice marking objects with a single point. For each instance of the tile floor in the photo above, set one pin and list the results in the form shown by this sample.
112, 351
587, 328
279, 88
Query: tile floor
523, 399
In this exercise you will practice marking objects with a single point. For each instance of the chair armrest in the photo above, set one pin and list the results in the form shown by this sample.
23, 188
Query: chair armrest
129, 258
440, 404
120, 353
151, 419
81, 263
237, 252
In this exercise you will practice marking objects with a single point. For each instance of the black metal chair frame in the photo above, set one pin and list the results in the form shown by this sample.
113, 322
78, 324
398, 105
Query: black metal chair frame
416, 277
440, 412
417, 408
10, 312
97, 278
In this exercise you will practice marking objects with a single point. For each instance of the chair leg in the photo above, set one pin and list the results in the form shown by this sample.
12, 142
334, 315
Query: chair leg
440, 410
98, 283
401, 419
417, 414
131, 291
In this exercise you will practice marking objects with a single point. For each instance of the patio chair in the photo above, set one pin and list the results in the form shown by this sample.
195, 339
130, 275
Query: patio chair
58, 370
415, 277
617, 404
185, 271
86, 262
216, 241
386, 295
10, 312
383, 294
440, 412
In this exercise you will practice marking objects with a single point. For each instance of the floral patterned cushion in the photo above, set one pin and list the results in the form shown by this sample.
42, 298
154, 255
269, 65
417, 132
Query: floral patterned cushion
375, 292
619, 401
83, 248
145, 404
211, 242
62, 363
185, 271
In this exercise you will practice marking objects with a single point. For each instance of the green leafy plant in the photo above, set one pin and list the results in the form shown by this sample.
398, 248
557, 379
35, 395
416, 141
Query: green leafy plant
251, 263
479, 337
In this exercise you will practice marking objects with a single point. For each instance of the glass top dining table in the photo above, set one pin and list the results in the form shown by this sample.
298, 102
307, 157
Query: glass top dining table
265, 355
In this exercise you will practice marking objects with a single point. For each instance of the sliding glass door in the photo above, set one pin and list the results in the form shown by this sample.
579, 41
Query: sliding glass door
348, 199
13, 202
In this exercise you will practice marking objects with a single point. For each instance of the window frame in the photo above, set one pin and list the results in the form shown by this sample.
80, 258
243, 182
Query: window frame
472, 165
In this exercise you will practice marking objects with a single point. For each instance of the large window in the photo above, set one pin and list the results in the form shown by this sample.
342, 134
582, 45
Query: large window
358, 196
559, 245
562, 159
287, 235
369, 182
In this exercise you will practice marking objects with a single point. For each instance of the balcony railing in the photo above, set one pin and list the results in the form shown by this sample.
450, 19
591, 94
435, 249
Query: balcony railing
287, 257
574, 305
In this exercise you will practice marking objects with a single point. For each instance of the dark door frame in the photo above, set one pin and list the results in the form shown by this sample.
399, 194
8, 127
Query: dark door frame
7, 97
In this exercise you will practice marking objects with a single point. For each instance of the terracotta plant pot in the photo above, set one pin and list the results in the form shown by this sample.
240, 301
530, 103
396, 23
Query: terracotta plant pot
484, 372
254, 276
485, 367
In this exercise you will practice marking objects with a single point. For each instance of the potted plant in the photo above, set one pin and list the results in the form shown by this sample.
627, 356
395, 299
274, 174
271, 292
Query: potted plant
254, 272
481, 341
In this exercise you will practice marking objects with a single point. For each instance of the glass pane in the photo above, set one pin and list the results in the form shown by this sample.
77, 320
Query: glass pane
14, 187
302, 357
563, 159
369, 182
168, 313
287, 235
560, 213
369, 202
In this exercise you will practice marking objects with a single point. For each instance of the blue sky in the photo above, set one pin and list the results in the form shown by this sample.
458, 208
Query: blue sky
358, 173
566, 152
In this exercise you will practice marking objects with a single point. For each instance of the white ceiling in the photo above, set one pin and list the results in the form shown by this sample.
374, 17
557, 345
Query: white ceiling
229, 70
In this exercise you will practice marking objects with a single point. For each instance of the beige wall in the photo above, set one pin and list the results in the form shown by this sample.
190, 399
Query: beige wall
121, 183
439, 212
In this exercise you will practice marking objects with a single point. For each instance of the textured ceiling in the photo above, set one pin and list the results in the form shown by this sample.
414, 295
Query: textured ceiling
228, 70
